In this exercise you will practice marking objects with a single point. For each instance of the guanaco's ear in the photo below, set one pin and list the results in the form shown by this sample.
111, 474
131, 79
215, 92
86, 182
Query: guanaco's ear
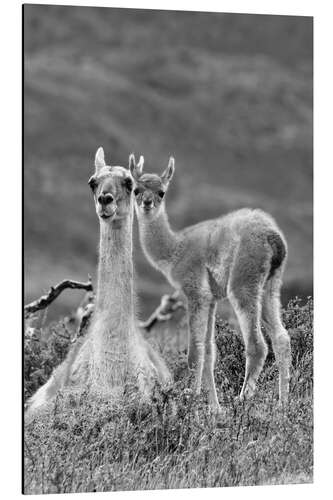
135, 169
140, 164
99, 159
169, 171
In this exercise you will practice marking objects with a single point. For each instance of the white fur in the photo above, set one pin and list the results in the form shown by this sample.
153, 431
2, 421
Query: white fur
114, 352
230, 256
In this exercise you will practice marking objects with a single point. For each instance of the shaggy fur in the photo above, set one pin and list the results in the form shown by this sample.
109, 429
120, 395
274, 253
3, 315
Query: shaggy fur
114, 352
240, 256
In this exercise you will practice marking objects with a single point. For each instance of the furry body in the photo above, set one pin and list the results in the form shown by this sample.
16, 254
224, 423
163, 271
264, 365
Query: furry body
113, 354
239, 256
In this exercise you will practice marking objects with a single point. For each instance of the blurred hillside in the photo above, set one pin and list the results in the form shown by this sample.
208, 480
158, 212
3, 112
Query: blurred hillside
229, 95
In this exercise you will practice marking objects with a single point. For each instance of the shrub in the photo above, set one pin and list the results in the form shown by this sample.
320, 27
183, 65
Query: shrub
87, 445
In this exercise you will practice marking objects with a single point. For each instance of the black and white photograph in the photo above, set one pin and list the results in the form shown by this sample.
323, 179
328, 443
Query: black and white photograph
167, 249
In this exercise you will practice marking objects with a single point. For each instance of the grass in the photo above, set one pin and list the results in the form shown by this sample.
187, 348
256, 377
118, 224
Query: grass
231, 97
87, 445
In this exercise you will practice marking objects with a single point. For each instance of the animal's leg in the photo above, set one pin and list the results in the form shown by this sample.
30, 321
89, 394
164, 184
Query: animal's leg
210, 356
198, 317
271, 317
246, 302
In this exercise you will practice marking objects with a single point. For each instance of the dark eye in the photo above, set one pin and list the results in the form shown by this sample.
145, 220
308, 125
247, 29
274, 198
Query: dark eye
128, 184
161, 194
92, 183
136, 191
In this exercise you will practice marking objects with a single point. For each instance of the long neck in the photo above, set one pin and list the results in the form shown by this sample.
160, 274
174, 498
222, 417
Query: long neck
115, 269
112, 331
157, 238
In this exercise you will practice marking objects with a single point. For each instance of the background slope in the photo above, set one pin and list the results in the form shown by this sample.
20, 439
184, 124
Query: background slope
229, 95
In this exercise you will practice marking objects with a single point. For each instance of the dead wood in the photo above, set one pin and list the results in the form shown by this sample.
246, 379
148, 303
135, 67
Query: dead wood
169, 304
45, 300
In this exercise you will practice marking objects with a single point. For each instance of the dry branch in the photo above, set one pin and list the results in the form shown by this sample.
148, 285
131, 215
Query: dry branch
169, 304
45, 300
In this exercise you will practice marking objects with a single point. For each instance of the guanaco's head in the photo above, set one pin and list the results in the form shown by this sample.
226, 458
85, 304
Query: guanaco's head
112, 189
150, 189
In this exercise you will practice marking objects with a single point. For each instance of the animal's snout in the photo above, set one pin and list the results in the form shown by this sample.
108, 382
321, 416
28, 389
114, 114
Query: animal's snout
105, 199
147, 200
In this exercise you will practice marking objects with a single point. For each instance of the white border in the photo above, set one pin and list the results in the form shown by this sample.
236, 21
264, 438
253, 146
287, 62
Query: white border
11, 242
283, 7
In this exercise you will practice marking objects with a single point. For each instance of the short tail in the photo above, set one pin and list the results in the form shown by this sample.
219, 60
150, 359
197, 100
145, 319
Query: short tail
279, 248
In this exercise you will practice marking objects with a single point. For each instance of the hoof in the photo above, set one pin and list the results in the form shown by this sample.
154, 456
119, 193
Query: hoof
282, 405
215, 410
239, 399
220, 417
246, 394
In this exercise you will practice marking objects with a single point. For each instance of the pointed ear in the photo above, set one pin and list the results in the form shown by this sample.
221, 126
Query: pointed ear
140, 164
99, 159
169, 171
135, 169
131, 163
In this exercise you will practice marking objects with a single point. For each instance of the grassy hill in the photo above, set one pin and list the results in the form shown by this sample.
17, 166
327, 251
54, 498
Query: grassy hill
80, 446
230, 96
